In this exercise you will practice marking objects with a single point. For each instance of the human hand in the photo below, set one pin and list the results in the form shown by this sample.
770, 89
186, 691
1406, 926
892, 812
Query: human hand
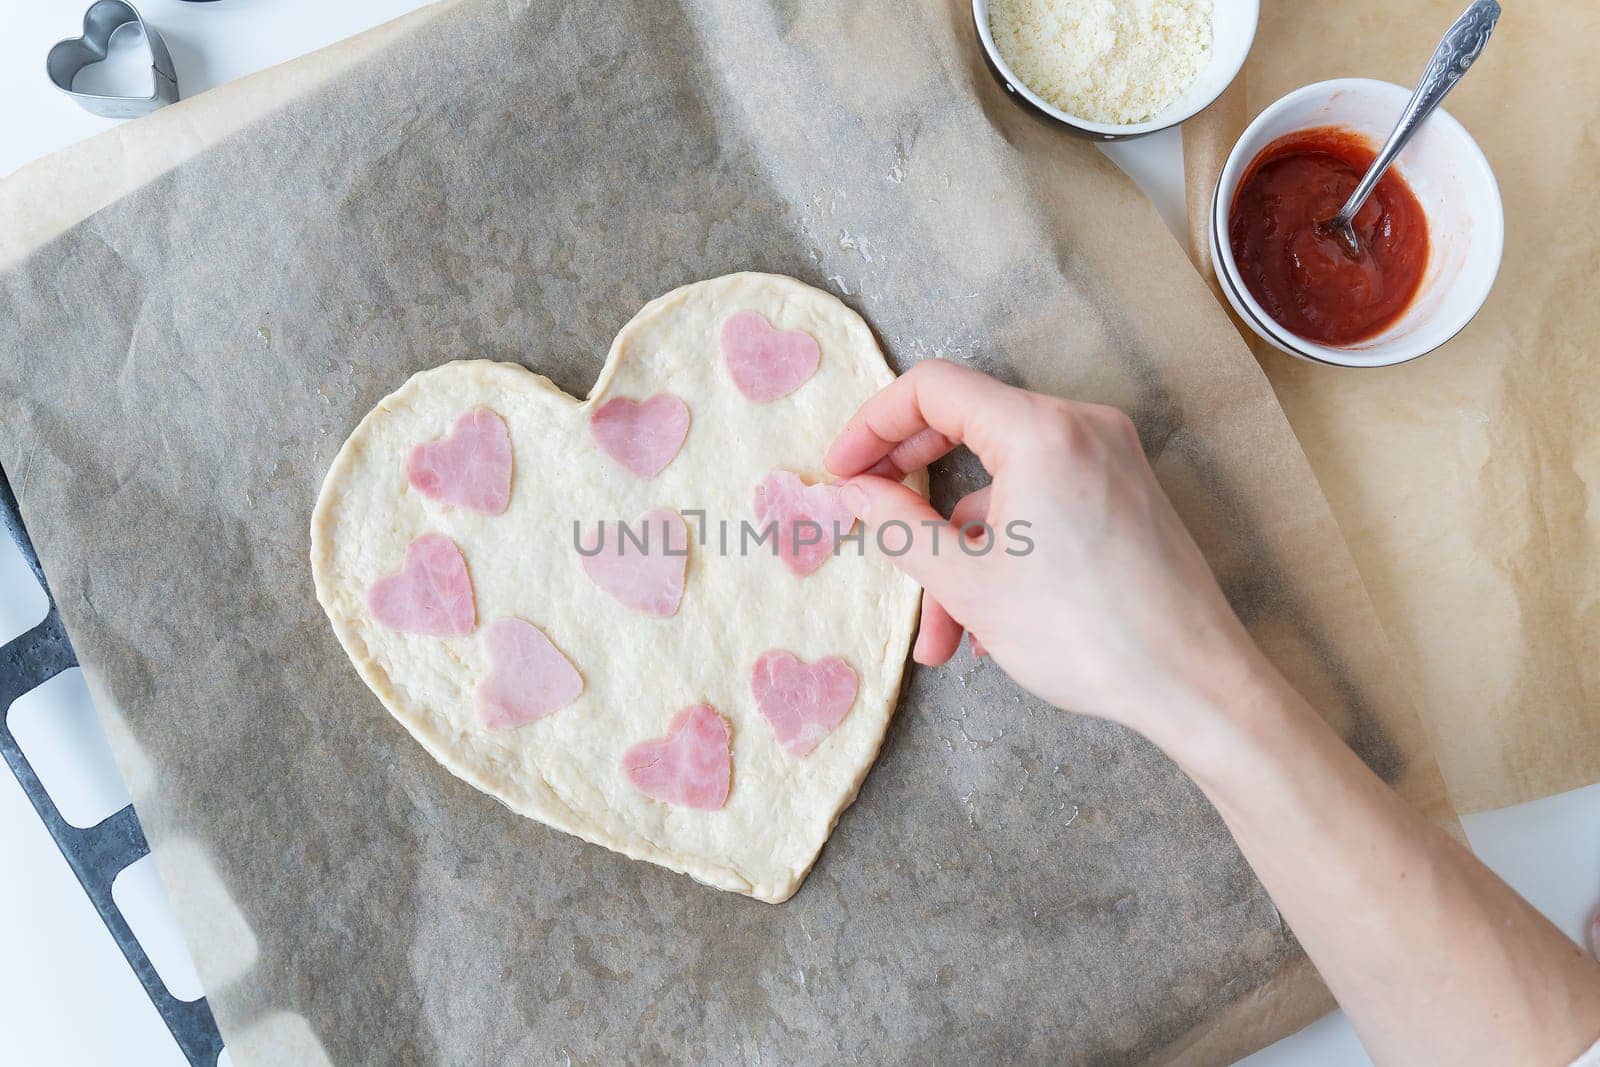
1112, 612
1115, 613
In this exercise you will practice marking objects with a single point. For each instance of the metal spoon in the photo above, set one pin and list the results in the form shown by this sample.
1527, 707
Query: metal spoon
1462, 43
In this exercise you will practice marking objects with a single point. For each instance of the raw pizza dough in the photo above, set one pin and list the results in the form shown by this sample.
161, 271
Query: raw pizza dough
564, 770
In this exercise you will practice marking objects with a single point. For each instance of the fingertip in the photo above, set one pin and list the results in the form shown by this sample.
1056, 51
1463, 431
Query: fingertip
866, 489
854, 498
930, 652
939, 635
885, 468
834, 461
856, 450
869, 492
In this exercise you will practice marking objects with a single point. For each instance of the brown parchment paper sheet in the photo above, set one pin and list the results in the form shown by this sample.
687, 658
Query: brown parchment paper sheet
1468, 483
513, 182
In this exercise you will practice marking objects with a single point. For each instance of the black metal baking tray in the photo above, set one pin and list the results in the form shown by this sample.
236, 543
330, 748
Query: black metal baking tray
98, 854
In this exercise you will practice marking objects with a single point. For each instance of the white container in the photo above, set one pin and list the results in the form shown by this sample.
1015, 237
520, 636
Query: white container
1452, 181
1233, 28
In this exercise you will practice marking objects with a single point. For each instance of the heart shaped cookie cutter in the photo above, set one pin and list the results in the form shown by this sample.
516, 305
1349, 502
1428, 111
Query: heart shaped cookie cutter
103, 19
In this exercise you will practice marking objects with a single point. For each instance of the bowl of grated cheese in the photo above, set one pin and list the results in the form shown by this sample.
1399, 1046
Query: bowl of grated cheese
1111, 70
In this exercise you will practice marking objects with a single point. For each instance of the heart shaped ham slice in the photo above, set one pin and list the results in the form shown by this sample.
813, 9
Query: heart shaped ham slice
803, 701
641, 565
692, 766
765, 362
431, 594
528, 678
809, 519
471, 467
642, 436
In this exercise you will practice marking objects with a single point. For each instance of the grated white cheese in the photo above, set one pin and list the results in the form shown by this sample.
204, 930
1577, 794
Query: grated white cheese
1113, 61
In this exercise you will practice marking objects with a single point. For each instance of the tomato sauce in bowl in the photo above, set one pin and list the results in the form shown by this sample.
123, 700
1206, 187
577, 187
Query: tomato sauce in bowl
1298, 271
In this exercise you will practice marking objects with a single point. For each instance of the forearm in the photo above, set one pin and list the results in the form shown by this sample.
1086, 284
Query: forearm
1433, 957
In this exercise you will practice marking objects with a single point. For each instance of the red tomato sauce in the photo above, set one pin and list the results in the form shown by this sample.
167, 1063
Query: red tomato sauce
1299, 272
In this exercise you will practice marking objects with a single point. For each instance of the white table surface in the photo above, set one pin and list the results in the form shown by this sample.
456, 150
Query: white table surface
67, 996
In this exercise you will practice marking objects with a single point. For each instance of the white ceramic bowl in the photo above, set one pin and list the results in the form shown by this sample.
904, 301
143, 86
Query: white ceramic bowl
1233, 28
1453, 183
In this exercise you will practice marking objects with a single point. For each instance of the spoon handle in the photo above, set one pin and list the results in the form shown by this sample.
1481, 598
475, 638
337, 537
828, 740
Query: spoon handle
1463, 42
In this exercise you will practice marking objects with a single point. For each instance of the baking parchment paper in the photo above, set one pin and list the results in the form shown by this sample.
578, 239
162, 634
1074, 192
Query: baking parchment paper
1468, 482
513, 182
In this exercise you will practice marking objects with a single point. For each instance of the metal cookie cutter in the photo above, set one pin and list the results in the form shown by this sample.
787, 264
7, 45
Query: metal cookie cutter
103, 19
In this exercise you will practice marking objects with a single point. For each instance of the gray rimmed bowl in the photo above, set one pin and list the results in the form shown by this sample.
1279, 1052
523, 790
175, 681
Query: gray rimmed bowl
1233, 29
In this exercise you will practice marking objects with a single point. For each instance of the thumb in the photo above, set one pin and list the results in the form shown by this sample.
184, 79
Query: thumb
914, 537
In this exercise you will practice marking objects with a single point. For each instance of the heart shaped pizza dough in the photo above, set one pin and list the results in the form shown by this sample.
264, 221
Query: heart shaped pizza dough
565, 768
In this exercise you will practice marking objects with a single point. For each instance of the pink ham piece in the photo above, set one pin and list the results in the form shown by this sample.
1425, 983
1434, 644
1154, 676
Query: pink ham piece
802, 701
765, 362
642, 436
644, 569
431, 594
809, 519
470, 468
528, 678
691, 767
